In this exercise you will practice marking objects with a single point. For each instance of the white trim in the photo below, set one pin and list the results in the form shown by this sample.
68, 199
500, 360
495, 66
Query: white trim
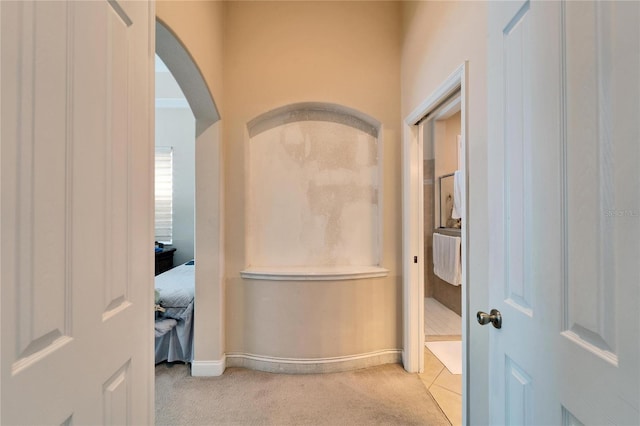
412, 229
448, 87
313, 365
448, 109
313, 273
464, 155
209, 368
413, 292
167, 103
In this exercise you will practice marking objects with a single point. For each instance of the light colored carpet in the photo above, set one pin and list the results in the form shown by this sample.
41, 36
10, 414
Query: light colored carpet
383, 395
449, 353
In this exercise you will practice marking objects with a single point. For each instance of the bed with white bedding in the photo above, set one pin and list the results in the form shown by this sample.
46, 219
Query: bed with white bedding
175, 290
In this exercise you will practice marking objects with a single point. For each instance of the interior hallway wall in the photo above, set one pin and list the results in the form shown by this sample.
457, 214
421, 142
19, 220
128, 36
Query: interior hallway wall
437, 38
278, 53
446, 145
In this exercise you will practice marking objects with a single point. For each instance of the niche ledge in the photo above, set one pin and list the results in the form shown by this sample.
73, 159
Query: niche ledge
312, 273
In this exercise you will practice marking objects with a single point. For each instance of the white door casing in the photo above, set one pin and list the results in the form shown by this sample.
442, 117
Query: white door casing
564, 205
77, 202
413, 238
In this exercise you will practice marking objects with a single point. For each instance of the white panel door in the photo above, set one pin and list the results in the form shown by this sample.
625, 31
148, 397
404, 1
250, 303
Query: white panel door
564, 185
76, 164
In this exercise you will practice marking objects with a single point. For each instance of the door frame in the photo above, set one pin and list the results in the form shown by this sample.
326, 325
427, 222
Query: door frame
413, 227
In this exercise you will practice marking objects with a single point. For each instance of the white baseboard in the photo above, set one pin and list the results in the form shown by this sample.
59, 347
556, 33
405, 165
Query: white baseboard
313, 365
208, 368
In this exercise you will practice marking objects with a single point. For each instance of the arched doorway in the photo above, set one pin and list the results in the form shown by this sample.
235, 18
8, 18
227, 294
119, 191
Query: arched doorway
208, 321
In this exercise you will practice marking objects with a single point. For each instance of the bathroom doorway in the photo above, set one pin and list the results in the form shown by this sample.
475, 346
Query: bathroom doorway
443, 188
428, 195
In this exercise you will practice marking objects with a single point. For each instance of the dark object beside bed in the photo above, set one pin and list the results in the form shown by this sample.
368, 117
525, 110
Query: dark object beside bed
164, 260
174, 326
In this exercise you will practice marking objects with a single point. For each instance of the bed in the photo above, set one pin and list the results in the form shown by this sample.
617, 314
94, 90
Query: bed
174, 314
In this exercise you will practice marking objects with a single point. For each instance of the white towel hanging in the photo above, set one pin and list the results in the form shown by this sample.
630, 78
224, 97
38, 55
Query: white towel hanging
446, 258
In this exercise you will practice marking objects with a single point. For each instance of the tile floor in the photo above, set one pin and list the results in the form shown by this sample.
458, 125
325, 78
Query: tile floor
441, 323
440, 320
446, 388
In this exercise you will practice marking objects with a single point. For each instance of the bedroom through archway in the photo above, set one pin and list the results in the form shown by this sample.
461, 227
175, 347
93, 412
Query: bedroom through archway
207, 321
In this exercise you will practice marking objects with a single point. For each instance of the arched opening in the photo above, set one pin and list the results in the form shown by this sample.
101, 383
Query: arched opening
208, 335
188, 76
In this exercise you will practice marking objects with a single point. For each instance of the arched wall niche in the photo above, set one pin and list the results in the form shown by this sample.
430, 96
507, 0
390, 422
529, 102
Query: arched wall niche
314, 111
209, 335
314, 194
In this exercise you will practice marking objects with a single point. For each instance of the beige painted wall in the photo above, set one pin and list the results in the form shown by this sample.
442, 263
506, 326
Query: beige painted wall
446, 147
446, 162
278, 53
437, 38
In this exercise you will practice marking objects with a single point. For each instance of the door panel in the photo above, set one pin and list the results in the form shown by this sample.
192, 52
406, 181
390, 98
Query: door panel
590, 305
117, 112
77, 345
41, 288
116, 394
600, 324
518, 405
565, 212
517, 191
513, 397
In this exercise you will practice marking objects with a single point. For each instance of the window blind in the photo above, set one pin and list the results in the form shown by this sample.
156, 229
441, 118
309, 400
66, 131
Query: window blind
164, 194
